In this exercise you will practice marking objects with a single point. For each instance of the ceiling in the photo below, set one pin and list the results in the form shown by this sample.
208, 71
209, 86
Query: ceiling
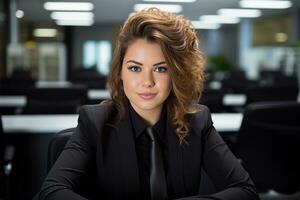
115, 11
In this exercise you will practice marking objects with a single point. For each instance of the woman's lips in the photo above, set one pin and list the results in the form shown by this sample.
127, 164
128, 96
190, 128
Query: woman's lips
147, 96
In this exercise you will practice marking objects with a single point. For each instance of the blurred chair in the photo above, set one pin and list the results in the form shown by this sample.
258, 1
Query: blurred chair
276, 92
56, 146
236, 81
213, 99
90, 78
88, 184
268, 145
6, 158
267, 77
271, 77
17, 83
55, 100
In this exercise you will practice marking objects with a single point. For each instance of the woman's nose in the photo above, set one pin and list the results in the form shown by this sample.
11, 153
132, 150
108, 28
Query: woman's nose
148, 79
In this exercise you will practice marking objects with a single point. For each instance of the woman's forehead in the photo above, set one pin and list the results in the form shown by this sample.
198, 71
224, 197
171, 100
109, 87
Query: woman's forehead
142, 51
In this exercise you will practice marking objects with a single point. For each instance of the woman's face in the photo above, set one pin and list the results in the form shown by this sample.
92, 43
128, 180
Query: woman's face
146, 76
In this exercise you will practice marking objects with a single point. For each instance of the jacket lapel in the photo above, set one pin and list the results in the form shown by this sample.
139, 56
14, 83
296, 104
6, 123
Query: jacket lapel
128, 159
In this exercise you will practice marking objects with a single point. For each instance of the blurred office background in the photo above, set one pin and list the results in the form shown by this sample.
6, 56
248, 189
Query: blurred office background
56, 57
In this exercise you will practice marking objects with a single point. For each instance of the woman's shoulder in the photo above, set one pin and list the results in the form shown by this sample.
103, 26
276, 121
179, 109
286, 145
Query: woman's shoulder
202, 111
96, 113
201, 118
96, 108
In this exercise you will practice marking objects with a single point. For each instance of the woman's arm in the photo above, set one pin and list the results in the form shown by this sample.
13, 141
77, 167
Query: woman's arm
230, 179
63, 178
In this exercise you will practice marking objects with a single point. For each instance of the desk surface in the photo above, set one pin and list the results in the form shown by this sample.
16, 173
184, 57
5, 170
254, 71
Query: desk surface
12, 101
225, 122
20, 101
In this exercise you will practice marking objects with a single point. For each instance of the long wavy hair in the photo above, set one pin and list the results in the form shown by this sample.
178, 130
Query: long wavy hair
178, 40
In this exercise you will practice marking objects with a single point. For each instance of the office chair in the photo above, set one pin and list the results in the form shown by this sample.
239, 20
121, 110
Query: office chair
276, 92
6, 158
19, 81
56, 146
55, 100
236, 81
91, 78
213, 98
268, 145
88, 186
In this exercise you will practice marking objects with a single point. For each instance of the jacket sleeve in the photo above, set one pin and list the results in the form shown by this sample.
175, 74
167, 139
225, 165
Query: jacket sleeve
63, 179
231, 180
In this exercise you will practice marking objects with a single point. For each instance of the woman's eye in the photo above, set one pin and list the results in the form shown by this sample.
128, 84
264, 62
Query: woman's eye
134, 68
161, 69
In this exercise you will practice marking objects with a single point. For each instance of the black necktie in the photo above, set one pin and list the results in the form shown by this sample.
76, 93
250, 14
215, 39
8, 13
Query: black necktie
158, 186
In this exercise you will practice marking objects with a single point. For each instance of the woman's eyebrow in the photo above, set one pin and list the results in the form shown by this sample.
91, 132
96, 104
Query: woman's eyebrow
138, 63
135, 62
162, 62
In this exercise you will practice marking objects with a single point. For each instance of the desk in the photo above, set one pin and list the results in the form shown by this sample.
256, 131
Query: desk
37, 123
234, 99
225, 122
228, 100
20, 101
12, 101
94, 94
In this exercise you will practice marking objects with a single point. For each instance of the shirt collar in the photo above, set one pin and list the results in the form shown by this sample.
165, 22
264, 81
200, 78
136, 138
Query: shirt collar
139, 125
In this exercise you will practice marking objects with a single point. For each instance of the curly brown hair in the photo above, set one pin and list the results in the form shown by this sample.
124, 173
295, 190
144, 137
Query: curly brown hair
178, 40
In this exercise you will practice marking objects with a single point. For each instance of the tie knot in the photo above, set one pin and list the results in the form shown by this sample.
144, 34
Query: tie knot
150, 133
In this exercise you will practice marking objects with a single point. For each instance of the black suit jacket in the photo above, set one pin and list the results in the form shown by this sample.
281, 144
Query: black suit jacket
110, 150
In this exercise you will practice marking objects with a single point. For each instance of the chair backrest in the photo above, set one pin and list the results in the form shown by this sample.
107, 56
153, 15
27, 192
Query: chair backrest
88, 183
278, 92
268, 144
89, 77
17, 84
213, 99
57, 144
55, 100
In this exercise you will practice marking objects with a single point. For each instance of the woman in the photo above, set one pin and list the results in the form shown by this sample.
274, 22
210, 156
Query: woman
151, 140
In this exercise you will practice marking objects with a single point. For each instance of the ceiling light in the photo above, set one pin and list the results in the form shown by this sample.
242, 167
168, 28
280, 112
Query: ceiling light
19, 13
171, 1
72, 15
266, 4
45, 32
166, 7
83, 6
219, 19
74, 22
251, 13
204, 25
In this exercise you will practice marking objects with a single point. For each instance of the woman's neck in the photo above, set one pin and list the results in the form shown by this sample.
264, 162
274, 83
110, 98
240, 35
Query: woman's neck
151, 117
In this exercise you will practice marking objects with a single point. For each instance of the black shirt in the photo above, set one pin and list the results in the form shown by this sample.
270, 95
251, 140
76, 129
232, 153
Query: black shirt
142, 144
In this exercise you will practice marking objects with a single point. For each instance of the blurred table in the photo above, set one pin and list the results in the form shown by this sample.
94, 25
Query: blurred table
20, 101
223, 122
94, 94
228, 100
12, 101
234, 99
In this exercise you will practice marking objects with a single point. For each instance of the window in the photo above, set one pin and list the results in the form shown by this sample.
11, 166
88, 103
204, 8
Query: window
97, 54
